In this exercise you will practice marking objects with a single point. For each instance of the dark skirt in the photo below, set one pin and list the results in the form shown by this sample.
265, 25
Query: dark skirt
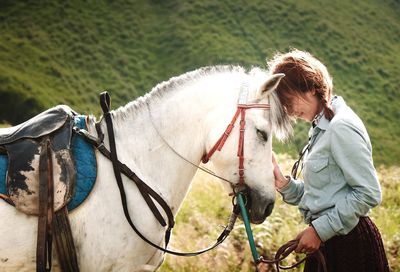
360, 250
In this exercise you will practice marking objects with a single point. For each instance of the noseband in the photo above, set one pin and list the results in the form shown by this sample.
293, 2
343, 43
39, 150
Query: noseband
242, 106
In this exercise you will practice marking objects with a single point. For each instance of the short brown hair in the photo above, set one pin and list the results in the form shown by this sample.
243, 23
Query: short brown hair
303, 73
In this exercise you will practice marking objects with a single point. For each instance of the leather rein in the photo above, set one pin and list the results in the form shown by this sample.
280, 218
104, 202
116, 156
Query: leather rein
287, 249
146, 191
149, 194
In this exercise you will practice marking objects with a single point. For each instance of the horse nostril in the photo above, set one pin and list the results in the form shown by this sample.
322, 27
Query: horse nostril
269, 209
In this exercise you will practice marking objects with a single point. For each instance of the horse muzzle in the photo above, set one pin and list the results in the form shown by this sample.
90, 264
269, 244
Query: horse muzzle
259, 207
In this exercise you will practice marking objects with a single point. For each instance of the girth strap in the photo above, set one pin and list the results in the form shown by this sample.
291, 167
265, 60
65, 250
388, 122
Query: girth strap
52, 225
46, 209
64, 242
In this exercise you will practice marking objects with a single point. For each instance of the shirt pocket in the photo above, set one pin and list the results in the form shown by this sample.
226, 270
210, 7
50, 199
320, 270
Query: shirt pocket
316, 172
317, 164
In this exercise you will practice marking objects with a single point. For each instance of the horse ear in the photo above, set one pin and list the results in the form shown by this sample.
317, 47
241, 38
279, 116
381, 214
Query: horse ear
270, 84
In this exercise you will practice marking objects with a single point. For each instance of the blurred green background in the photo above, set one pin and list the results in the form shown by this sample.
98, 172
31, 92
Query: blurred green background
67, 52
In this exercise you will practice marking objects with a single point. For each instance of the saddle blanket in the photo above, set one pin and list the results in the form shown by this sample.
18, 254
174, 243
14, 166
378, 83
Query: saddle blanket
85, 165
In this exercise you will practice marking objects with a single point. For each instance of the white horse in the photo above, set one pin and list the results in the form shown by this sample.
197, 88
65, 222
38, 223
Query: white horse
188, 112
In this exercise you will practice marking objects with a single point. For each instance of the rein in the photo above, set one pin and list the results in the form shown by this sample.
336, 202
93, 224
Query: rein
288, 248
147, 192
284, 251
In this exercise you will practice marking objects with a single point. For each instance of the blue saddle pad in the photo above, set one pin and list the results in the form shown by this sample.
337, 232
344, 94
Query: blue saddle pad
85, 165
3, 172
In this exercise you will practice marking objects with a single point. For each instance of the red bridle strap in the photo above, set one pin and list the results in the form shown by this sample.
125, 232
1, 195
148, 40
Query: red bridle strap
241, 110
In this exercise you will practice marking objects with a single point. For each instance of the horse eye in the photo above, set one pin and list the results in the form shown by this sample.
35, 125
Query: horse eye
262, 134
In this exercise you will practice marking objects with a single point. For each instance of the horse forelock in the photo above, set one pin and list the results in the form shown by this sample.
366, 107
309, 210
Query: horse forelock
280, 121
277, 116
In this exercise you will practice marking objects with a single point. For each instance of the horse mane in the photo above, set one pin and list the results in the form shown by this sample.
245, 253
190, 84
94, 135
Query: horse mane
165, 87
280, 121
162, 88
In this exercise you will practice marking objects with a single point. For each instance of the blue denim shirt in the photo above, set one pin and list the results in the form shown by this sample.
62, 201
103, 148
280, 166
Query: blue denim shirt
340, 180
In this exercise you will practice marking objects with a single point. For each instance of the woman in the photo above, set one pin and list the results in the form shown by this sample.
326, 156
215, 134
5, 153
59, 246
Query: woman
340, 184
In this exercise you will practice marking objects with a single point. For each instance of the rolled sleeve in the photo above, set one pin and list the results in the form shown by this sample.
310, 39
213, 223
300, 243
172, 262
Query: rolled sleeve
323, 228
292, 192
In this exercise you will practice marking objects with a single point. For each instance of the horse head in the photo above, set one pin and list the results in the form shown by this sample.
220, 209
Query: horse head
263, 117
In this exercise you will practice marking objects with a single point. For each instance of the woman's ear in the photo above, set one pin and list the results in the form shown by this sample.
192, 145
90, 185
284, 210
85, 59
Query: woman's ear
270, 85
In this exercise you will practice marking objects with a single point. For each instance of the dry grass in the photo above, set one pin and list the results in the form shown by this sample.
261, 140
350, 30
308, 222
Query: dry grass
208, 205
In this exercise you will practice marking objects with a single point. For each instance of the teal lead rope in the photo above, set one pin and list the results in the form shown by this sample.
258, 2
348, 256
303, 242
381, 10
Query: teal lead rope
248, 228
282, 252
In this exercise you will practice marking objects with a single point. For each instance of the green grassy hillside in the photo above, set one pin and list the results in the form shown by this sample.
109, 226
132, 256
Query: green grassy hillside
68, 51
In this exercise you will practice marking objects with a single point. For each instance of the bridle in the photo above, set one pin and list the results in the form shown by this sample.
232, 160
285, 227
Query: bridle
242, 106
241, 110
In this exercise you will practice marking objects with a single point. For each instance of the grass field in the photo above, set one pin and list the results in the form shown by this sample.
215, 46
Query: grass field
67, 52
208, 206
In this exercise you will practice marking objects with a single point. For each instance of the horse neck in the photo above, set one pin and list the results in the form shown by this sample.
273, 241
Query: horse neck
145, 134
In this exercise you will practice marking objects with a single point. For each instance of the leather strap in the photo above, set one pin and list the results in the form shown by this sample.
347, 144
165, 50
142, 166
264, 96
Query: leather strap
288, 248
241, 110
221, 141
146, 191
7, 199
46, 209
64, 242
143, 187
240, 152
131, 175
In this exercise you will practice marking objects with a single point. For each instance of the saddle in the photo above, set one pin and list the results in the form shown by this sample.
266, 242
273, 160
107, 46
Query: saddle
41, 179
25, 143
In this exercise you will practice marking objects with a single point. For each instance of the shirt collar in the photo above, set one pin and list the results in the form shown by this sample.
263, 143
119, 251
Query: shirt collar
320, 120
323, 123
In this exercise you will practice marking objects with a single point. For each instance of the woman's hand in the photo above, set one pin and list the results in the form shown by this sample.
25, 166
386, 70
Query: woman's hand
308, 241
280, 180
